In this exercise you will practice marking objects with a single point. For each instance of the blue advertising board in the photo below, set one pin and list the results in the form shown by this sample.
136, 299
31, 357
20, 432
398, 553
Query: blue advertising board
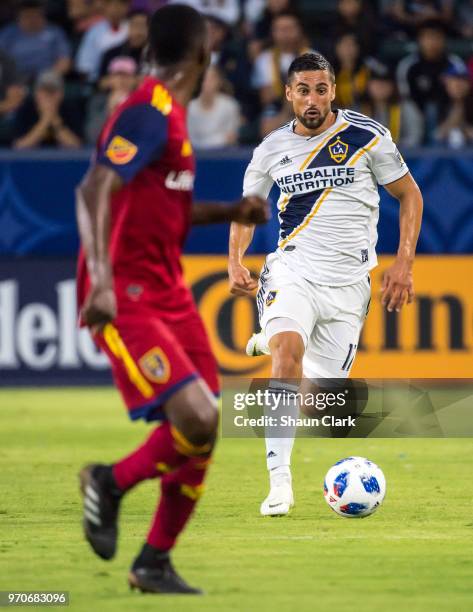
37, 202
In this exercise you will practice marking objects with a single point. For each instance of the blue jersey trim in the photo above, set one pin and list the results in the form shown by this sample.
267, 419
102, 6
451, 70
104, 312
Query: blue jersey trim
153, 410
359, 119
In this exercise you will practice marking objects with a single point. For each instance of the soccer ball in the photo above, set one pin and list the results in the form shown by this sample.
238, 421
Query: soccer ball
354, 487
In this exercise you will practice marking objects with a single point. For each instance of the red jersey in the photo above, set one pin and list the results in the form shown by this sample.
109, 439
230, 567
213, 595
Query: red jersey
146, 142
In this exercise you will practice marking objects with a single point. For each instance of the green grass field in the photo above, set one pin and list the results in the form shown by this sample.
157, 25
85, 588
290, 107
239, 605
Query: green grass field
414, 554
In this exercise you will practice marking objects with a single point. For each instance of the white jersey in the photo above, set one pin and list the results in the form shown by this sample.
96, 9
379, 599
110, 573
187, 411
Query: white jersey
329, 201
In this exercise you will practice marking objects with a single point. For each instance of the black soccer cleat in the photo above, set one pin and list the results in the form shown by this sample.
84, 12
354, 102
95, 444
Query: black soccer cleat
101, 505
159, 576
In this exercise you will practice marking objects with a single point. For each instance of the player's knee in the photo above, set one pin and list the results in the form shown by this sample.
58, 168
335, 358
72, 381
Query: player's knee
287, 353
201, 425
287, 366
205, 424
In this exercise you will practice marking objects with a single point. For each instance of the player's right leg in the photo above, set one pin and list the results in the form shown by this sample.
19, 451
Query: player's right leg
286, 318
158, 381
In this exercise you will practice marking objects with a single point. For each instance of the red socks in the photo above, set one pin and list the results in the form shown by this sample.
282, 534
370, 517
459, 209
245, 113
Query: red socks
156, 456
180, 492
182, 466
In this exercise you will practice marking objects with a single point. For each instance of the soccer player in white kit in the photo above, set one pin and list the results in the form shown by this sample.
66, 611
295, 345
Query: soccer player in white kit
314, 289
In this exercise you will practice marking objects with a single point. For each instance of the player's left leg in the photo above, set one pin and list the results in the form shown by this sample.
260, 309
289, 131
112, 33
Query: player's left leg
157, 379
332, 346
193, 422
287, 316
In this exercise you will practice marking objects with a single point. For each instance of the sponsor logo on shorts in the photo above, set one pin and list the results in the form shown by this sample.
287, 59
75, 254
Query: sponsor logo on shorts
364, 255
338, 150
155, 365
270, 298
121, 151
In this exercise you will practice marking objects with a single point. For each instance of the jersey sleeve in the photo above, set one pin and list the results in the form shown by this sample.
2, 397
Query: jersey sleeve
386, 163
257, 181
137, 138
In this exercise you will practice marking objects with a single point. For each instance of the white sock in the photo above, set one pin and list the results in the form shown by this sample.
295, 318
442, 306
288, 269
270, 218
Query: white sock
279, 450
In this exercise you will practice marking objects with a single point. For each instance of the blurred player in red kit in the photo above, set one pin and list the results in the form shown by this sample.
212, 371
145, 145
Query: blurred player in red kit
134, 208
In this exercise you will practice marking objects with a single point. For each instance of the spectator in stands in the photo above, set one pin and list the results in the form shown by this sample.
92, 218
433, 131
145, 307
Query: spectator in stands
408, 15
34, 44
7, 11
47, 120
419, 75
230, 54
262, 28
12, 94
82, 15
271, 66
357, 17
108, 33
138, 25
456, 129
252, 11
382, 102
464, 18
351, 71
226, 10
214, 117
218, 33
121, 80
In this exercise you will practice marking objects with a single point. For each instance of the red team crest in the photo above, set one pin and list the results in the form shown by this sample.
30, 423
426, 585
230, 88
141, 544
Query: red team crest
121, 151
155, 365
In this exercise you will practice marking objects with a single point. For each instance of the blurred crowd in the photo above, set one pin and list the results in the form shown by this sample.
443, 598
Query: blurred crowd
65, 65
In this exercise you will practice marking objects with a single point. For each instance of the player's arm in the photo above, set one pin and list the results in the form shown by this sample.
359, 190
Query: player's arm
137, 137
241, 281
93, 217
256, 183
398, 285
251, 209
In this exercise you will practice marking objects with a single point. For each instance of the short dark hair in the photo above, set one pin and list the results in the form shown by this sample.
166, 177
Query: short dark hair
138, 12
311, 61
432, 24
287, 13
176, 31
31, 4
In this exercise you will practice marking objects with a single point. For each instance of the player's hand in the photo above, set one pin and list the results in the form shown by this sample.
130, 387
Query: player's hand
100, 308
251, 210
398, 285
241, 281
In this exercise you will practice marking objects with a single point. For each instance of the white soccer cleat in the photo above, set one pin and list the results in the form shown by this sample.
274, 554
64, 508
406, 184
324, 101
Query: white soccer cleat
257, 345
280, 499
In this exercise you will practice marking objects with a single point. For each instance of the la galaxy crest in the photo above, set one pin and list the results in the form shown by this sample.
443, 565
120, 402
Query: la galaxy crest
338, 150
155, 365
270, 297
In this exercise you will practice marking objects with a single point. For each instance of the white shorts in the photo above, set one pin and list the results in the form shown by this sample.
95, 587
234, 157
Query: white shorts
331, 317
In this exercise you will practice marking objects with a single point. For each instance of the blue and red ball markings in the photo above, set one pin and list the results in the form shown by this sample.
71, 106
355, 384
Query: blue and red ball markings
370, 484
340, 483
353, 509
325, 488
343, 460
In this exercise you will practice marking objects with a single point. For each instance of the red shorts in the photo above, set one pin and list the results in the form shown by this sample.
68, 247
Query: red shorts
152, 358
